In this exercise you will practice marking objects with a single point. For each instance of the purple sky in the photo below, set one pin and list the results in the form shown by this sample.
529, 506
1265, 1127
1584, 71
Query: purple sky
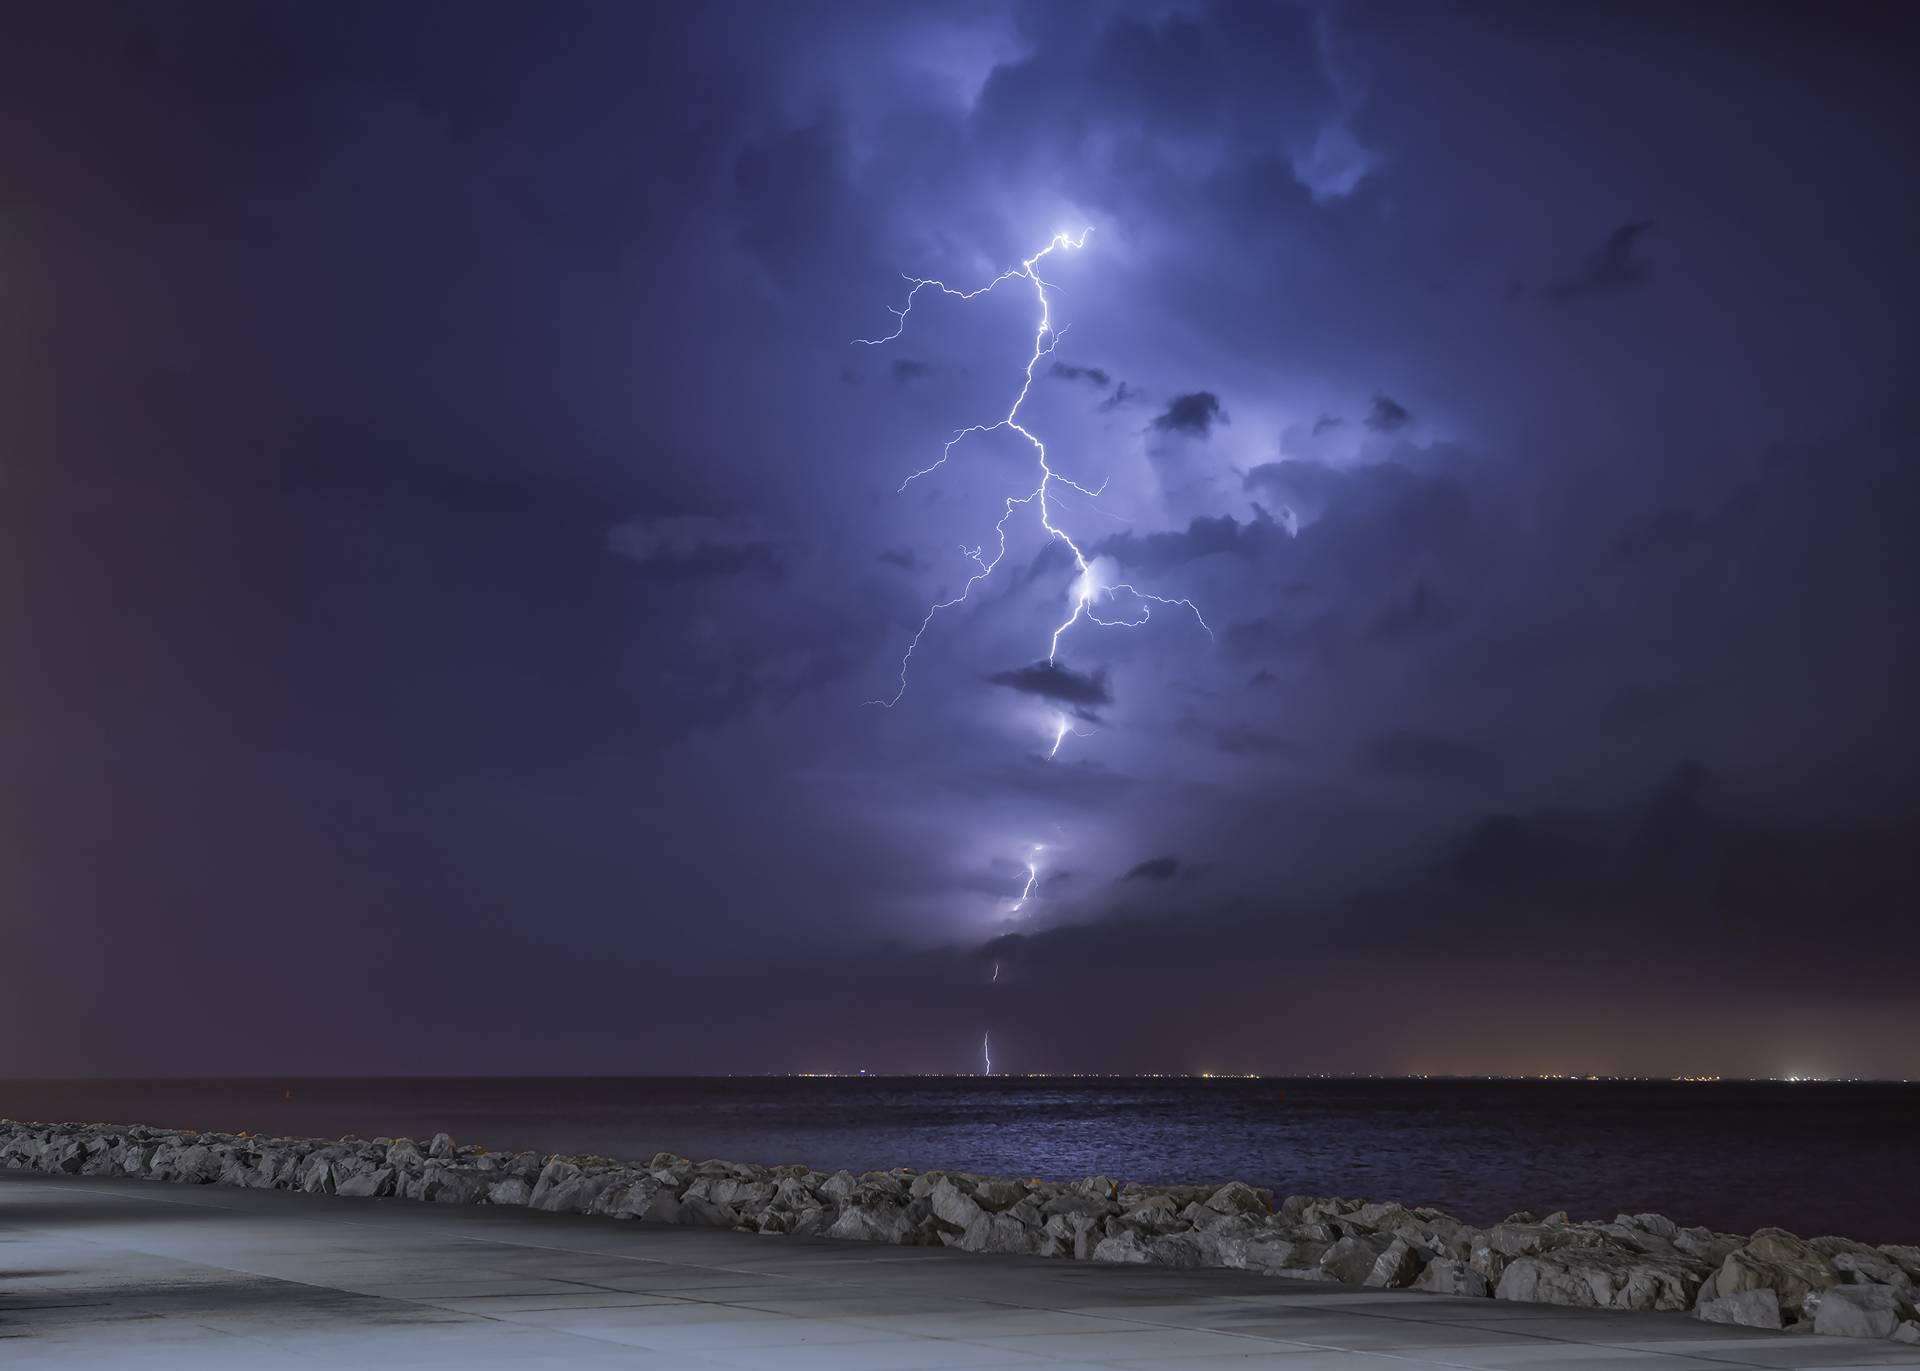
447, 539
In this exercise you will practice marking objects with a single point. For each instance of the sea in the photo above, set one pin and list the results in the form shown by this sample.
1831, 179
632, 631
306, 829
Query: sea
1811, 1157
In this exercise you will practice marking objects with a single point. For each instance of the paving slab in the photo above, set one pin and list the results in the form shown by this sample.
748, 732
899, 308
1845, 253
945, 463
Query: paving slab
97, 1272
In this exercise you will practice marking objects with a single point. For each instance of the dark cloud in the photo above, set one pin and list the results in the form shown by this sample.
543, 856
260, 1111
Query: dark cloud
693, 547
1242, 740
1204, 536
1123, 394
1326, 422
1067, 372
1613, 269
910, 369
1050, 681
1387, 415
1417, 609
1410, 755
1154, 869
1194, 413
903, 557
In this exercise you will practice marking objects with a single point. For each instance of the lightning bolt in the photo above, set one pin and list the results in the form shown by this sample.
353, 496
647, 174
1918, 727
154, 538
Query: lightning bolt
1085, 589
986, 1050
1062, 726
1033, 874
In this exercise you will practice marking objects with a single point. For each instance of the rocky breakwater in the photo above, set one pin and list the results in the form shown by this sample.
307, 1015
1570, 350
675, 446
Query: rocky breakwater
1769, 1279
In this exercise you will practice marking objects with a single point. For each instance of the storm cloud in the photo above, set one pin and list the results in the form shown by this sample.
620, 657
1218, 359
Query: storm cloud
1194, 414
1387, 415
1154, 869
1094, 375
443, 449
1615, 267
1050, 681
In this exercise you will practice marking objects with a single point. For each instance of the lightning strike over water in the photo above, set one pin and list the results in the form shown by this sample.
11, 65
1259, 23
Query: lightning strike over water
986, 1051
1086, 588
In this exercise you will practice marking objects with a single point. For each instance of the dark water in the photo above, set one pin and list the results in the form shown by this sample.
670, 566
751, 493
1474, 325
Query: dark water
1815, 1158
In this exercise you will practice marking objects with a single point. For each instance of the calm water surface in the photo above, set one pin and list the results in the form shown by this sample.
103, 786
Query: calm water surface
1815, 1158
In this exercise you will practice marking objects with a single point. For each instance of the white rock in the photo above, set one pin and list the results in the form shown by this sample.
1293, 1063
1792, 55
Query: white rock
1861, 1311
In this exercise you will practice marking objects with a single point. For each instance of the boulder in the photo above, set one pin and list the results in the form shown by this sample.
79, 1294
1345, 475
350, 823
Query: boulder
512, 1190
1758, 1308
1446, 1276
461, 1185
1077, 1202
1868, 1267
1526, 1239
1027, 1211
1657, 1224
1378, 1218
1235, 1197
1351, 1260
1906, 1258
997, 1194
1155, 1213
1601, 1278
924, 1183
404, 1155
367, 1183
1124, 1247
809, 1221
1777, 1261
564, 1188
747, 1195
1486, 1259
196, 1165
952, 1205
1176, 1249
1395, 1267
1439, 1235
628, 1197
874, 1222
999, 1233
1707, 1246
1861, 1311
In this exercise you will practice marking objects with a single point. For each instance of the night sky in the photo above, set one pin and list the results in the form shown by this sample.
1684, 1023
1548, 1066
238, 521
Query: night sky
448, 539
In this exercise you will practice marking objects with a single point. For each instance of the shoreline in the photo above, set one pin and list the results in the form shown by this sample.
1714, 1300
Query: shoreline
1767, 1279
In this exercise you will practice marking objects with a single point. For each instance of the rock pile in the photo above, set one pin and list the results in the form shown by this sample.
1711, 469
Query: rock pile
1635, 1261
